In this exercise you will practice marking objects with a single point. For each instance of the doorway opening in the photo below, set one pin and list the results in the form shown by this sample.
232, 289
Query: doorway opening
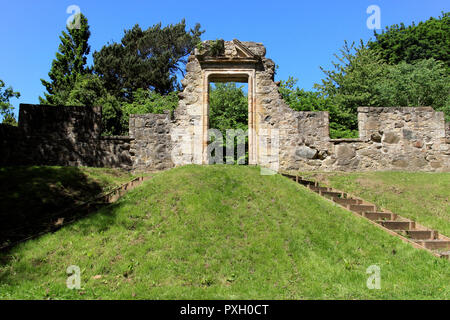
228, 117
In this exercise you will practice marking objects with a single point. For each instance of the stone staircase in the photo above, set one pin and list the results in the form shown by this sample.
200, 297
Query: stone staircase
408, 230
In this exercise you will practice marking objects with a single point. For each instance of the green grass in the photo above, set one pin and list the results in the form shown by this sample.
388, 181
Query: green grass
221, 232
50, 184
420, 196
30, 196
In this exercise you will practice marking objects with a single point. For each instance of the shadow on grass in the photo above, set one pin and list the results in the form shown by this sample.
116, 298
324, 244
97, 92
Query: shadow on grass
104, 217
38, 199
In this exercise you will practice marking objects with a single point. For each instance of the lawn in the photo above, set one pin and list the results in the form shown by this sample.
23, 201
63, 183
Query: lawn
221, 232
31, 196
420, 196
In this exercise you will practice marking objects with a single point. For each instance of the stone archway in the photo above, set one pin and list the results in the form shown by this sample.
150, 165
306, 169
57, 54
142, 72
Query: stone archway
301, 139
235, 75
238, 62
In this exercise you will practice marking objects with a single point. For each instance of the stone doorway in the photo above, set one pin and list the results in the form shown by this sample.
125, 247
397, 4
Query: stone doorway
233, 61
227, 79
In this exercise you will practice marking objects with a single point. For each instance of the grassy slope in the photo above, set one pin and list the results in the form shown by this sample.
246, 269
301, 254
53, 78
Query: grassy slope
221, 232
43, 185
30, 196
424, 197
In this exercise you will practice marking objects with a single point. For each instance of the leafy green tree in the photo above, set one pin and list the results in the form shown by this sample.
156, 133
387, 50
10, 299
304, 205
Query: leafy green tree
88, 90
429, 39
349, 85
111, 115
146, 101
422, 83
6, 109
70, 63
228, 109
146, 59
362, 78
302, 100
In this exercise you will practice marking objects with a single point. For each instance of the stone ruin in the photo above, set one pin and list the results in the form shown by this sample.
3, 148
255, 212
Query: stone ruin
394, 138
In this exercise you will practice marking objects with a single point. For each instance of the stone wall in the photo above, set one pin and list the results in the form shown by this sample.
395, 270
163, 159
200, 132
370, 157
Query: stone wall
151, 144
280, 138
300, 130
60, 122
447, 130
390, 138
65, 136
411, 139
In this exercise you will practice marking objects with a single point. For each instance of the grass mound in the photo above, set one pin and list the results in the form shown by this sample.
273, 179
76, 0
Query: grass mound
221, 232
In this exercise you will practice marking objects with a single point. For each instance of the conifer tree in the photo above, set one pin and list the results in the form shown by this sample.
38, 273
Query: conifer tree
70, 62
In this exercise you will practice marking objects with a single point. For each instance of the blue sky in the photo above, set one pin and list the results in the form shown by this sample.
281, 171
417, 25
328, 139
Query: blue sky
300, 36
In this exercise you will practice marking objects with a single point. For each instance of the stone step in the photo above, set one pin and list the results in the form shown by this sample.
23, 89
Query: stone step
398, 225
307, 182
380, 216
445, 255
434, 244
346, 202
407, 228
332, 194
318, 189
360, 208
419, 234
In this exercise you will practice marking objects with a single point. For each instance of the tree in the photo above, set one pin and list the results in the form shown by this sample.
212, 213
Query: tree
429, 39
300, 99
87, 90
6, 109
146, 59
362, 78
70, 63
147, 101
349, 85
422, 83
228, 109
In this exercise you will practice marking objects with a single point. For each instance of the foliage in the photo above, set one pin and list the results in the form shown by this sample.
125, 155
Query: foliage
302, 100
216, 48
422, 83
221, 232
146, 101
88, 90
111, 115
146, 59
211, 48
228, 109
351, 84
69, 64
429, 39
362, 78
404, 66
116, 113
6, 109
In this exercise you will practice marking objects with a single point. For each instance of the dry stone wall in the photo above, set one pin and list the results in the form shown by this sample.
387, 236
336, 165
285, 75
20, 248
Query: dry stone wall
280, 138
390, 138
65, 136
410, 139
150, 147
